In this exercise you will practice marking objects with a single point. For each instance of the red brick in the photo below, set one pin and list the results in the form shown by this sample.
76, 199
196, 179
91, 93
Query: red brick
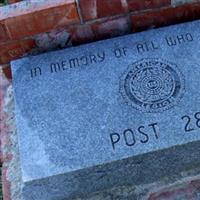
13, 1
14, 50
94, 9
3, 33
7, 157
183, 190
135, 5
41, 21
151, 19
111, 28
6, 185
82, 34
100, 30
7, 72
181, 193
194, 11
4, 140
21, 26
165, 17
196, 184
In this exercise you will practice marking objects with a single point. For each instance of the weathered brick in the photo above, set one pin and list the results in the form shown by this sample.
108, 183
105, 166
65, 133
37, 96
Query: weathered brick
182, 193
192, 11
41, 21
188, 190
196, 184
101, 30
7, 71
82, 34
13, 1
34, 17
135, 5
152, 19
5, 155
6, 184
21, 26
3, 33
94, 9
111, 28
15, 49
166, 16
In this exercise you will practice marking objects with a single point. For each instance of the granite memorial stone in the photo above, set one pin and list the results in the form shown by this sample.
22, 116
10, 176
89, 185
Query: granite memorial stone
115, 112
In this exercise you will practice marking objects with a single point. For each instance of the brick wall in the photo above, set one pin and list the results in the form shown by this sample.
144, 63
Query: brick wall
25, 26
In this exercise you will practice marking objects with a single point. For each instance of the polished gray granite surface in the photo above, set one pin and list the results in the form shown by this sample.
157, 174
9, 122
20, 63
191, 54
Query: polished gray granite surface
108, 113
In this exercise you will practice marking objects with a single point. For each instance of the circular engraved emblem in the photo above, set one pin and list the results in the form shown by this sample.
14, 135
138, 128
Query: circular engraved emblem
152, 85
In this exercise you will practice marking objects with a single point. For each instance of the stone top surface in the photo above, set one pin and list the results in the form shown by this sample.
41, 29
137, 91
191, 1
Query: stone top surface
106, 101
